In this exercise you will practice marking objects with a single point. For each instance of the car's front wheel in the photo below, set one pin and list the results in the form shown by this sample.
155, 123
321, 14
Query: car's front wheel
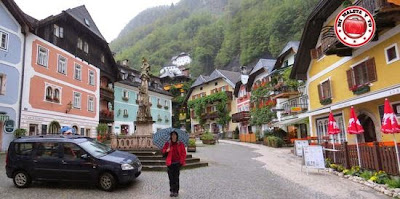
22, 179
107, 182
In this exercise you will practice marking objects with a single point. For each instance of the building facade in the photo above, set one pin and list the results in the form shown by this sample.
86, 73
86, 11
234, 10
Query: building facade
339, 77
60, 89
12, 29
126, 105
242, 116
218, 81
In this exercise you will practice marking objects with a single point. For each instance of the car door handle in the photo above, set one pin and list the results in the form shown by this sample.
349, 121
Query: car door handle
34, 161
63, 162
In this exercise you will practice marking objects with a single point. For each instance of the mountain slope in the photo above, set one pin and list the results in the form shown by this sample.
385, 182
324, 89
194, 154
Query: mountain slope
217, 33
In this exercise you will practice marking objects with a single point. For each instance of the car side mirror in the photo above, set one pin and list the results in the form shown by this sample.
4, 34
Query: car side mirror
85, 156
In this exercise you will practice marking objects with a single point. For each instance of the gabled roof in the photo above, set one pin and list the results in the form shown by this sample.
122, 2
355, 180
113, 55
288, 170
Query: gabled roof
309, 38
80, 13
263, 65
291, 46
200, 80
17, 13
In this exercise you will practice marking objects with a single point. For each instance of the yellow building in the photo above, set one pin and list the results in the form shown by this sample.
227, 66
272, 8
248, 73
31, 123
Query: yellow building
219, 81
339, 77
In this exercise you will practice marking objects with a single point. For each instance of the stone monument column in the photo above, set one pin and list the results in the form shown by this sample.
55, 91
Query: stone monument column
144, 121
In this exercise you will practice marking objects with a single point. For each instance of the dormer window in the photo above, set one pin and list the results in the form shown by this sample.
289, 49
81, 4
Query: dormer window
87, 22
86, 47
80, 43
58, 31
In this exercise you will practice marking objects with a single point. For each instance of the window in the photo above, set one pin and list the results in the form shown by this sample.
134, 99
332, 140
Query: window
47, 150
158, 102
125, 94
58, 31
49, 93
324, 90
90, 104
80, 43
125, 113
87, 22
91, 77
3, 40
62, 65
223, 88
201, 88
56, 95
3, 80
43, 55
86, 47
44, 129
72, 151
124, 129
391, 54
23, 149
102, 58
77, 100
361, 74
322, 128
317, 53
166, 103
216, 83
78, 72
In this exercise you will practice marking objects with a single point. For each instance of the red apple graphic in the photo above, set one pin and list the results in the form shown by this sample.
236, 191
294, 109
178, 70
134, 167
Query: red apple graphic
354, 26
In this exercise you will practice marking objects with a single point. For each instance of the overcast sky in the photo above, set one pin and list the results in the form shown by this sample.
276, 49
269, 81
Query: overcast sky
110, 16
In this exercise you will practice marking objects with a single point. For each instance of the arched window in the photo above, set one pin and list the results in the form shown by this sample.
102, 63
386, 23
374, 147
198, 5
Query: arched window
49, 93
57, 94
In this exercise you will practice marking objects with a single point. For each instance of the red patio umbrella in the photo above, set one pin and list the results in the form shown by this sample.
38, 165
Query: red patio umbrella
391, 126
333, 129
355, 128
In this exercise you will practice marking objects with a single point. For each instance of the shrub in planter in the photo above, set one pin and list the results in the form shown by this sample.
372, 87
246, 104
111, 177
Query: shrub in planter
208, 138
328, 162
192, 145
274, 141
19, 133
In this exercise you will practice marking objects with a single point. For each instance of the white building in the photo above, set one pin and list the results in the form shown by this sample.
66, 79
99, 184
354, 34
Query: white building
181, 60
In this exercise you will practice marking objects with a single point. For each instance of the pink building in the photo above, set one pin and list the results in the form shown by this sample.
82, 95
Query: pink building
59, 90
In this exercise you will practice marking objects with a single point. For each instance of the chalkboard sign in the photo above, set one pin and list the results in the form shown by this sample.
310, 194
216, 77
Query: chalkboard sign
313, 157
298, 146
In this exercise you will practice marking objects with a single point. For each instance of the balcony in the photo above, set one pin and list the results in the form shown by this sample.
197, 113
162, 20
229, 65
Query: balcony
330, 45
241, 117
294, 106
106, 116
107, 93
386, 15
210, 116
283, 91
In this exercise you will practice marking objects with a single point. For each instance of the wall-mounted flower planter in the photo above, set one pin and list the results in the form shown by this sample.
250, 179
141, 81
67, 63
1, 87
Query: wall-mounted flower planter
125, 116
125, 98
326, 101
159, 106
361, 90
166, 107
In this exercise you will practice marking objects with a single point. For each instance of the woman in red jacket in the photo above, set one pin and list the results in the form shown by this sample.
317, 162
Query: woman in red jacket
175, 152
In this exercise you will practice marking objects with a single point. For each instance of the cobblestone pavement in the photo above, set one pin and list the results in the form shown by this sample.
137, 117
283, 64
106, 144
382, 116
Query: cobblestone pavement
233, 172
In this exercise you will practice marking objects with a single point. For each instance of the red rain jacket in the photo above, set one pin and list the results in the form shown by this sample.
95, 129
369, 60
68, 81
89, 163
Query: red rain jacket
181, 150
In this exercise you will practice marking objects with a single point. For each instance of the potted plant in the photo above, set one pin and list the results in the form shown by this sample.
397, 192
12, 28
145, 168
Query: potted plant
101, 132
192, 145
19, 133
208, 138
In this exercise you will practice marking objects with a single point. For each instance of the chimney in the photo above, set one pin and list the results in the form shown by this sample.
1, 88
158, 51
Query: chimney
125, 62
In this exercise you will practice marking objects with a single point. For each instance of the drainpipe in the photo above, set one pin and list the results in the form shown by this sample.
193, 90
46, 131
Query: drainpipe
22, 79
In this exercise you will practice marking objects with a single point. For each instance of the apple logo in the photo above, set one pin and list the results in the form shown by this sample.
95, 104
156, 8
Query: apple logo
355, 26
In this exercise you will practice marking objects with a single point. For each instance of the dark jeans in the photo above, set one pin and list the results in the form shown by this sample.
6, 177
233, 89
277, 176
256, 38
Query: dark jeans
173, 175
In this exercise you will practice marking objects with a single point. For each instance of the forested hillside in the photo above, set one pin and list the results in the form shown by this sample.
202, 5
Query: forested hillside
217, 33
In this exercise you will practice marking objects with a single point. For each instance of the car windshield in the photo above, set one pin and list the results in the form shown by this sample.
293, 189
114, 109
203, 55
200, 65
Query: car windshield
96, 149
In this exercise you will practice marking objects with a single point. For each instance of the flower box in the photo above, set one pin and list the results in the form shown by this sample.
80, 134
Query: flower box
56, 100
209, 142
159, 106
326, 101
358, 90
125, 116
125, 98
49, 98
166, 107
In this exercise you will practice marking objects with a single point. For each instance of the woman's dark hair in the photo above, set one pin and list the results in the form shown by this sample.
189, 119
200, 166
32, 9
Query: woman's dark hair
170, 135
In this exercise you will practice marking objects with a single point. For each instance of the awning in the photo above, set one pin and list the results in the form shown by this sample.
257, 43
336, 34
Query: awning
290, 121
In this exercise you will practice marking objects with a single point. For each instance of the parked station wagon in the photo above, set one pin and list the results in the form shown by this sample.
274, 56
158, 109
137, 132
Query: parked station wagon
69, 158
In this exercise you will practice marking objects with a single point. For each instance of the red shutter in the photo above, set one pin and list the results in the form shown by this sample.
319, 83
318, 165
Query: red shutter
314, 53
371, 70
350, 78
319, 92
